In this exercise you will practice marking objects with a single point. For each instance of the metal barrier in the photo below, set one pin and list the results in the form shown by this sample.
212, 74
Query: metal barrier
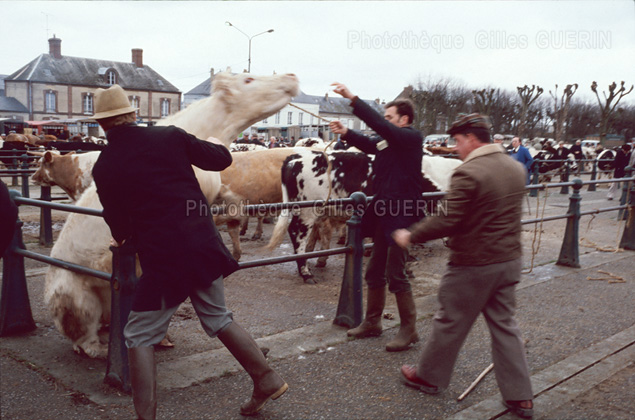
15, 311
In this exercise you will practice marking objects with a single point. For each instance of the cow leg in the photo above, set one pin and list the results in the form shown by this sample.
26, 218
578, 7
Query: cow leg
244, 225
325, 231
232, 229
258, 232
299, 231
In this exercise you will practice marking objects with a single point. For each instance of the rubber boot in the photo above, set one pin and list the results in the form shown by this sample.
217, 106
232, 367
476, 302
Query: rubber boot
371, 326
143, 380
267, 383
407, 333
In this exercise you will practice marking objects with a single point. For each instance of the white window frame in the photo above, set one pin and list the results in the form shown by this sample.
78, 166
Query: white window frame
290, 118
134, 102
51, 101
165, 107
277, 117
87, 104
111, 77
300, 118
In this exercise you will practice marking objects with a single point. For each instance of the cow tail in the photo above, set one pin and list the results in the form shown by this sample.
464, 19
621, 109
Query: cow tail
281, 226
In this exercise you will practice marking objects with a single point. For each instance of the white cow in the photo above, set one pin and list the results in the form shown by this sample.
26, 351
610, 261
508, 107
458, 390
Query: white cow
78, 302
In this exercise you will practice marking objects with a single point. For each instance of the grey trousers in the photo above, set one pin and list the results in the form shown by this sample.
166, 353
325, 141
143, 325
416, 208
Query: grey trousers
464, 293
145, 329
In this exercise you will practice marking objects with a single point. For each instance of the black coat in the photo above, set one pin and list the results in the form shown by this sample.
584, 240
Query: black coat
151, 196
396, 182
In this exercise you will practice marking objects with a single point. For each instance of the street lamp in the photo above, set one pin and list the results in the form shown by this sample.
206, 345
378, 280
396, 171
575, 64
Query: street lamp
250, 38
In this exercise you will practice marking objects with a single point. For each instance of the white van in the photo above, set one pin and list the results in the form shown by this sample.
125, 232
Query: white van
439, 138
590, 143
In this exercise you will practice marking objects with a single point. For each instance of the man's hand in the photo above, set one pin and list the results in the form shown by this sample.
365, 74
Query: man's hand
338, 128
116, 244
401, 237
215, 141
341, 89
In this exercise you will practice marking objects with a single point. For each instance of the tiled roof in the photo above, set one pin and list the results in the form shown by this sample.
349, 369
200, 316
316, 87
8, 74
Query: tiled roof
11, 105
90, 72
332, 105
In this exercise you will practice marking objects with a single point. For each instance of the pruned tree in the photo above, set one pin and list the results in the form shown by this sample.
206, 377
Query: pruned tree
484, 100
499, 105
581, 119
527, 97
610, 103
561, 110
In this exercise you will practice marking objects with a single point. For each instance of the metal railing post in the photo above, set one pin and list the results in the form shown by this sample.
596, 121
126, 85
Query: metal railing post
46, 229
628, 237
565, 178
16, 165
122, 286
349, 310
569, 252
621, 214
534, 178
594, 170
15, 308
25, 176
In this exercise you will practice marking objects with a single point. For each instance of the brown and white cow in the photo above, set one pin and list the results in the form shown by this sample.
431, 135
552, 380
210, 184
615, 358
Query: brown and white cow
305, 177
79, 303
71, 172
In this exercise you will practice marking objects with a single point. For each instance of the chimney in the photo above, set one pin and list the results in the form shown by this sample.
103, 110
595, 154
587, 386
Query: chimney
211, 73
55, 47
326, 96
137, 57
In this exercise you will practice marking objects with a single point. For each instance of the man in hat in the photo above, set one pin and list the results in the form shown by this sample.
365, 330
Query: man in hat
397, 186
483, 224
151, 198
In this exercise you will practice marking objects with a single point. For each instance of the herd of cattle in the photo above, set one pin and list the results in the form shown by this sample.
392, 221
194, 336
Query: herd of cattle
308, 171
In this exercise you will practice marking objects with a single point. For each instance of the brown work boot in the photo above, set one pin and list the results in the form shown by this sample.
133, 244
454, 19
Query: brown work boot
407, 333
267, 383
371, 326
143, 381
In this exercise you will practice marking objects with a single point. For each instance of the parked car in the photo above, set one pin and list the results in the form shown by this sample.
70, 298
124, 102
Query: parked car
439, 139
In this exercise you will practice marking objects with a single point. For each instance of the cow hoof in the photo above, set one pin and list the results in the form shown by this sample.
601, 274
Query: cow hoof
320, 263
309, 280
236, 256
256, 236
94, 351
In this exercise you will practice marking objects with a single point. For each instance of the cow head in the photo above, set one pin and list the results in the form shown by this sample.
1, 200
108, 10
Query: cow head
237, 102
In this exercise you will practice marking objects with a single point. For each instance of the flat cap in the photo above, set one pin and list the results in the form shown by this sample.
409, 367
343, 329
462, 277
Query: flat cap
470, 121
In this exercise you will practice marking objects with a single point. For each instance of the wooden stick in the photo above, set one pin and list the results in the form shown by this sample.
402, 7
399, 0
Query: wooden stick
310, 113
476, 381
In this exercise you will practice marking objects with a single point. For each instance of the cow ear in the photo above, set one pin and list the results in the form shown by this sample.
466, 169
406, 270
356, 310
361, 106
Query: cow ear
71, 153
48, 157
222, 84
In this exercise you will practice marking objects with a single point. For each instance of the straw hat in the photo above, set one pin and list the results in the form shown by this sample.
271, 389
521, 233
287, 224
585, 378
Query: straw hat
111, 102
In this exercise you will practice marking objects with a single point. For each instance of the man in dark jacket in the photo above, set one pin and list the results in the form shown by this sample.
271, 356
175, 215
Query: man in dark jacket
483, 223
619, 163
151, 197
397, 186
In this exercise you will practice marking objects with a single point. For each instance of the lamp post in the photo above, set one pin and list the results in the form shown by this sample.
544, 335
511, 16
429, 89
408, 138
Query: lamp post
249, 38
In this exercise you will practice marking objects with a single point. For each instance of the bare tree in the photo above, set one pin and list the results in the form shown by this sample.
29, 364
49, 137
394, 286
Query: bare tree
561, 109
607, 109
581, 119
527, 97
499, 105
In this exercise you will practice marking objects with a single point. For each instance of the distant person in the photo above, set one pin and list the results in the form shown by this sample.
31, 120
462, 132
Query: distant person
273, 142
256, 140
482, 222
619, 163
9, 212
522, 155
578, 154
340, 145
498, 139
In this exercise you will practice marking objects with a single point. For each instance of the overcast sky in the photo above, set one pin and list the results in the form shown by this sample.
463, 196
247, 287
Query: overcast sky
376, 48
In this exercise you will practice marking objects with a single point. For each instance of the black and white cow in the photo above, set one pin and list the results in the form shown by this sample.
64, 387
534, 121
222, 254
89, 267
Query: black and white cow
550, 164
605, 160
305, 177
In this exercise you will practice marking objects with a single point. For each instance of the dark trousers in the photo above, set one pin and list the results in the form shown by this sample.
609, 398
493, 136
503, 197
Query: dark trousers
387, 265
464, 293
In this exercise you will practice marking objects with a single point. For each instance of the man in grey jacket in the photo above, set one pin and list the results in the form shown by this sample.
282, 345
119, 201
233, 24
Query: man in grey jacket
483, 223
